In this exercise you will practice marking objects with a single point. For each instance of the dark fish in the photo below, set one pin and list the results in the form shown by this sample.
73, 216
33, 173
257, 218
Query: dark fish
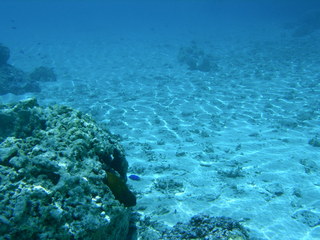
134, 177
120, 190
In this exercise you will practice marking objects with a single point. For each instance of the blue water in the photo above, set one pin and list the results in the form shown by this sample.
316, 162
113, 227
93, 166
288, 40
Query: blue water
235, 137
41, 19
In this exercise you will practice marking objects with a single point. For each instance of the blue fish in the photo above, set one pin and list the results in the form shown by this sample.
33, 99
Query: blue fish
134, 177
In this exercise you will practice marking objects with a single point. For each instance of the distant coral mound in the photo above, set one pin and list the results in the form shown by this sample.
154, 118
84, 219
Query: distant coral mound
16, 81
4, 55
206, 227
196, 59
43, 74
53, 175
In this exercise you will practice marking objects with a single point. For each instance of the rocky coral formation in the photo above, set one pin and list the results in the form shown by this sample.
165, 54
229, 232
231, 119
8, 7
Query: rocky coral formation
196, 59
206, 227
14, 80
4, 55
43, 74
53, 164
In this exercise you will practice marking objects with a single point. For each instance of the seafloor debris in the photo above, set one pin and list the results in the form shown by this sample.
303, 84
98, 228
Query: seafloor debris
307, 217
315, 141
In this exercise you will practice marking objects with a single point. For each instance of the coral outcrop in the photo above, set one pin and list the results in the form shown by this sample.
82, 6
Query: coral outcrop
196, 59
13, 80
53, 173
16, 81
4, 55
43, 74
206, 227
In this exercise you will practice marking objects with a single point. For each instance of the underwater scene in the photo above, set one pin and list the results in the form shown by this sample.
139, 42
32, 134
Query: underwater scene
181, 119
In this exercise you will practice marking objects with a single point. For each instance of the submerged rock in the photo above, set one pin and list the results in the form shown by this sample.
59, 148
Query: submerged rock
315, 141
206, 227
196, 59
43, 74
307, 217
53, 164
16, 81
4, 55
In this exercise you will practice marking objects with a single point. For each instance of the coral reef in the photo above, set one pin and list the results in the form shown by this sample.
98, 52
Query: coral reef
43, 74
14, 80
53, 164
206, 227
4, 54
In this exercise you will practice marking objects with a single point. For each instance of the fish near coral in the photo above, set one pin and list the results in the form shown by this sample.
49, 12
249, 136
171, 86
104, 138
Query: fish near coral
120, 190
134, 177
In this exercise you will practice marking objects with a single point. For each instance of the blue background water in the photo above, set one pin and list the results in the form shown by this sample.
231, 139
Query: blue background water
40, 19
